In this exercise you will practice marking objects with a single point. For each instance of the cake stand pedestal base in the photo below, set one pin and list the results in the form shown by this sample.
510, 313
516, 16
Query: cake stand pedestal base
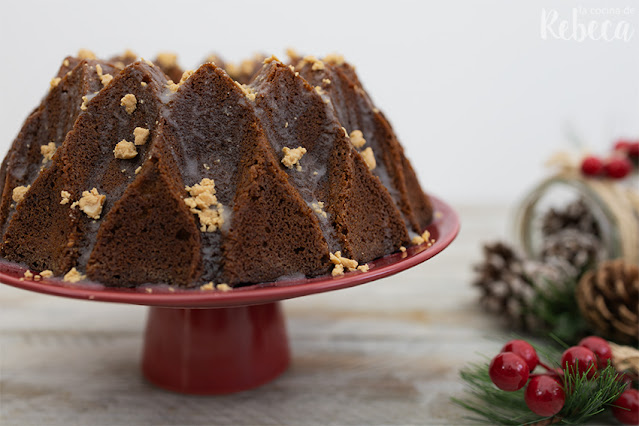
215, 351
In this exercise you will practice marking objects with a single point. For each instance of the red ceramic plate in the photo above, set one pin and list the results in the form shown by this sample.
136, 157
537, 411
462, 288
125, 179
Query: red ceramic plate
444, 229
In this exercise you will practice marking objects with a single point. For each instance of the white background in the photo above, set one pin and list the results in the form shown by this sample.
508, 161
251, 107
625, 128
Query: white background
478, 98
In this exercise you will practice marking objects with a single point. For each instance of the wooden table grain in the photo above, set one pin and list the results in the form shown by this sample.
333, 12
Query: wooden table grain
387, 352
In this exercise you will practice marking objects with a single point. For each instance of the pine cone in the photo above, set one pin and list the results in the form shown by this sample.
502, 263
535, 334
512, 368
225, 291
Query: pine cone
575, 215
608, 298
573, 246
506, 290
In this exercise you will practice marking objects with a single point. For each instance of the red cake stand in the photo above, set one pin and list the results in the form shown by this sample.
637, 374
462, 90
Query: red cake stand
215, 342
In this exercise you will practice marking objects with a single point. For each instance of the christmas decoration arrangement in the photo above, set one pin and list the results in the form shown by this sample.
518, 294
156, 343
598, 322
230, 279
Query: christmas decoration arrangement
574, 269
586, 382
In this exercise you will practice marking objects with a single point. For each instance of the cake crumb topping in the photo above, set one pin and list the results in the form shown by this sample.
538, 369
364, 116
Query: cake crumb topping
270, 59
73, 276
104, 78
208, 286
172, 86
402, 249
337, 270
166, 59
363, 268
248, 91
66, 197
326, 81
319, 90
185, 76
149, 63
224, 287
317, 66
65, 62
369, 158
138, 170
357, 138
18, 193
125, 150
54, 82
140, 134
292, 157
28, 275
334, 59
86, 54
47, 273
421, 239
319, 209
204, 203
91, 203
143, 83
85, 99
47, 152
337, 259
129, 103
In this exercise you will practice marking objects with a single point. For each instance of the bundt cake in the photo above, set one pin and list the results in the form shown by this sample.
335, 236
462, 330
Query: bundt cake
124, 177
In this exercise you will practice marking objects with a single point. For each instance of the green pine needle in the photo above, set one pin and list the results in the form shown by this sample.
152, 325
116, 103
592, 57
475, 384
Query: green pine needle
585, 398
554, 303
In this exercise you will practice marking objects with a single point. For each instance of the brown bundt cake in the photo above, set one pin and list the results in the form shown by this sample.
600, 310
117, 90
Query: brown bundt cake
126, 178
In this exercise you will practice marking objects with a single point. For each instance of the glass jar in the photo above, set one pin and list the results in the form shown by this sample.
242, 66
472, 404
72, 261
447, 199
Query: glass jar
614, 205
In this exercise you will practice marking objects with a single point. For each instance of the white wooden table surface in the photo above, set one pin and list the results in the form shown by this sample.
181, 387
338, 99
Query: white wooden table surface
387, 352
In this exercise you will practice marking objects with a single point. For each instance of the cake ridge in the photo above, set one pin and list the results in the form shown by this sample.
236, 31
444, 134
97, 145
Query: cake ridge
356, 111
49, 123
91, 143
279, 89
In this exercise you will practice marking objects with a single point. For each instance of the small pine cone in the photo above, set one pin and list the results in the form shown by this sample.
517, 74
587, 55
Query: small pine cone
575, 215
505, 289
575, 247
608, 298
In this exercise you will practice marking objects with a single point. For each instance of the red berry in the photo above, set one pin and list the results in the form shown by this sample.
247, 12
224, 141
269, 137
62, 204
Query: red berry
580, 360
601, 349
508, 371
592, 166
524, 350
626, 407
544, 396
618, 167
630, 148
622, 145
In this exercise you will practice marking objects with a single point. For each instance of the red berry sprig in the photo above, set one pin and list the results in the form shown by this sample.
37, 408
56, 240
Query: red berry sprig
625, 156
512, 370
